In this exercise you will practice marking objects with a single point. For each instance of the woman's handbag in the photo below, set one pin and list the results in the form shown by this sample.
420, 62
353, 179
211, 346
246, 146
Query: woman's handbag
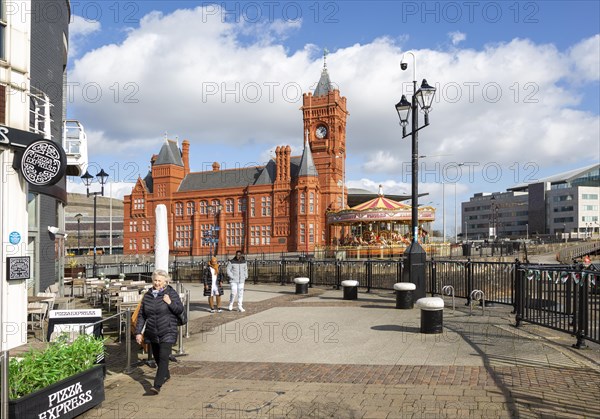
182, 318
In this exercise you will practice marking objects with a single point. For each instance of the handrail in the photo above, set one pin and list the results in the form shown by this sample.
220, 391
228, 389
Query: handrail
567, 255
127, 313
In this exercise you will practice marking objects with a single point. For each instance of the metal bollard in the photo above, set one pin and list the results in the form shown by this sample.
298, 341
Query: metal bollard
128, 368
187, 308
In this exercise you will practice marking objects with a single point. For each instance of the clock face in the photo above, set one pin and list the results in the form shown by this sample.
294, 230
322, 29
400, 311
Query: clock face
321, 131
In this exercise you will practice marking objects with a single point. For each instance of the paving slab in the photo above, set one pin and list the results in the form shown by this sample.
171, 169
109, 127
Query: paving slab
321, 356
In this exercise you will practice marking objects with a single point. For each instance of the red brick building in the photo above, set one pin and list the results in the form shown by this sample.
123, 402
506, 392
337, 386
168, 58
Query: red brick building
279, 207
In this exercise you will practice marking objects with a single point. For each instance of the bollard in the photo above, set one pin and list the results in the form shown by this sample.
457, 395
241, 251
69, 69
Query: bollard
128, 368
301, 285
350, 289
187, 308
432, 314
404, 295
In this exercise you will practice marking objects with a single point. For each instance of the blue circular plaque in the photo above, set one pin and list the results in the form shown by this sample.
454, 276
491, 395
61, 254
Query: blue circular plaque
14, 237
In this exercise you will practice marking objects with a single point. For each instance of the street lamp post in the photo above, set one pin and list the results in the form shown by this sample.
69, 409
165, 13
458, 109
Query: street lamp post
78, 217
216, 210
456, 210
422, 98
494, 216
87, 180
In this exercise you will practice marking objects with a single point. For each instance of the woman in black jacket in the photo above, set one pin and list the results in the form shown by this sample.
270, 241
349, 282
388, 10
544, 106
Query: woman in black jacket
158, 319
213, 284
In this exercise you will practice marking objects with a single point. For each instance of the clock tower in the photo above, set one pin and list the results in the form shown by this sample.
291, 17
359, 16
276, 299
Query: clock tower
324, 113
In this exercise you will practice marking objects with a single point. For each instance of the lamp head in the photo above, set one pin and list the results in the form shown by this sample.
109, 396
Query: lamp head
403, 66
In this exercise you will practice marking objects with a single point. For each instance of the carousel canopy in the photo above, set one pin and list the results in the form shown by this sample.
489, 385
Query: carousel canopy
381, 202
380, 209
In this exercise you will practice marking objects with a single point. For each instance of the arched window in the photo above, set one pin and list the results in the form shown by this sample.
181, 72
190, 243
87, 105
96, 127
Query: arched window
190, 208
302, 203
203, 207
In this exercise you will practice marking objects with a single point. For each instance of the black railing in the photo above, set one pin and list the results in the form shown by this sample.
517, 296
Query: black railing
565, 298
562, 297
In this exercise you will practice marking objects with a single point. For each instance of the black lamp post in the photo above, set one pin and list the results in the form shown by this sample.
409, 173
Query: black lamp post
216, 210
87, 180
494, 217
78, 217
422, 98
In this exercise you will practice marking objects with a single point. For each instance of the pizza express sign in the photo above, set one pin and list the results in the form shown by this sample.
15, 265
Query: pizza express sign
41, 162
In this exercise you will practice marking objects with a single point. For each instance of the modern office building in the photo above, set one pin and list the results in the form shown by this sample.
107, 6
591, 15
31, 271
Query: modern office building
565, 205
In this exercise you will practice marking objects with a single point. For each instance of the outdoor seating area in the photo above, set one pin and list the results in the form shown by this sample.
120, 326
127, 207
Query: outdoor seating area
113, 296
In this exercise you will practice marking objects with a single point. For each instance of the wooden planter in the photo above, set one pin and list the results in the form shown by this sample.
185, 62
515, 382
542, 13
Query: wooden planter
65, 399
72, 272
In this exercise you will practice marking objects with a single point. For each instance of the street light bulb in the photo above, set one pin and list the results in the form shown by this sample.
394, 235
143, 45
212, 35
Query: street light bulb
102, 176
425, 96
87, 178
403, 109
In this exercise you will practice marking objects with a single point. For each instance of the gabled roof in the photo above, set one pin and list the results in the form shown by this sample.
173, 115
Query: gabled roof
307, 165
149, 182
169, 154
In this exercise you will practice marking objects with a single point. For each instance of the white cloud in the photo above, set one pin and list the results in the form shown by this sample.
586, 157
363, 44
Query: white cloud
586, 59
79, 28
457, 37
219, 84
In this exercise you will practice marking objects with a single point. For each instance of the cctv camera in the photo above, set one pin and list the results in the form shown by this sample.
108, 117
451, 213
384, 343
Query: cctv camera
403, 66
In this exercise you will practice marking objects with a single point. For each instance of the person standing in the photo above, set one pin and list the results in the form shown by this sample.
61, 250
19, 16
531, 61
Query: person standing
213, 284
157, 317
237, 271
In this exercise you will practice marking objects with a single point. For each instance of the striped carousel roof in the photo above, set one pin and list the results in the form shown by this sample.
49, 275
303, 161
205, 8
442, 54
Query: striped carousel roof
381, 202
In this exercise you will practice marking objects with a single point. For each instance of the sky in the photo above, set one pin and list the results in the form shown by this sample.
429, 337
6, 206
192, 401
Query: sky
517, 99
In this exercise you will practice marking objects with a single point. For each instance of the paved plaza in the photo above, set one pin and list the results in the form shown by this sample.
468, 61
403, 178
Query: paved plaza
319, 356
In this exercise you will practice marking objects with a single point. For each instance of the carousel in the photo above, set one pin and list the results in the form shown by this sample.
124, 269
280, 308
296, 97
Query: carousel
379, 226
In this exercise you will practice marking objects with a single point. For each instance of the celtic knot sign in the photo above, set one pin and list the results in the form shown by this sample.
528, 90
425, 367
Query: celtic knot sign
43, 163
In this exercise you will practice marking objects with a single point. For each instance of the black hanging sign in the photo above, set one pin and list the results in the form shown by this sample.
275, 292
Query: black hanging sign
18, 268
41, 162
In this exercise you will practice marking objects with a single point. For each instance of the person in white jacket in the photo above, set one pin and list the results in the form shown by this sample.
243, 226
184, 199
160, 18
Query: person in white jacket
237, 271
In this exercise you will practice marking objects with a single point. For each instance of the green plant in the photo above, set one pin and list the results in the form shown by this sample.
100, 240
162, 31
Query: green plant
40, 368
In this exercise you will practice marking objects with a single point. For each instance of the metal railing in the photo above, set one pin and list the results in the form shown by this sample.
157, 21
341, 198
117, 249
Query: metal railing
566, 305
567, 255
125, 316
565, 298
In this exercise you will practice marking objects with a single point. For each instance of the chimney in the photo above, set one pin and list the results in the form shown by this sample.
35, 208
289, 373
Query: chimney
185, 156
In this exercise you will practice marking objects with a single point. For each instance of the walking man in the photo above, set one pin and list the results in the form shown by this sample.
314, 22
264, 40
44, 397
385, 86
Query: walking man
237, 271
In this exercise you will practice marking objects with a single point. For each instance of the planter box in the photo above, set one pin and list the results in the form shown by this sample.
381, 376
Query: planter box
65, 399
72, 272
